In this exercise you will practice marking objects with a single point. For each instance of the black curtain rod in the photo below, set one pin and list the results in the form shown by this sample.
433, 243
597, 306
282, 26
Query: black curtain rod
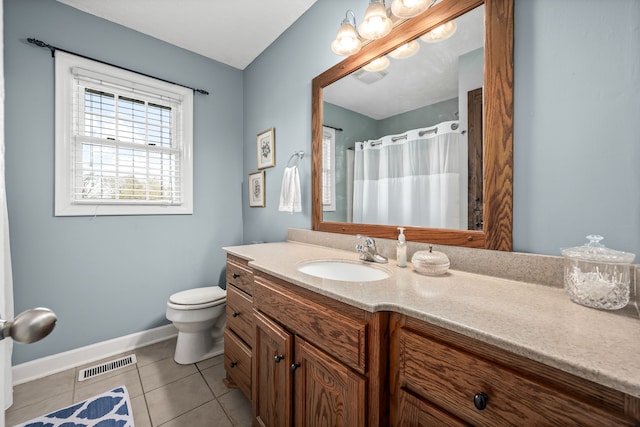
53, 49
332, 127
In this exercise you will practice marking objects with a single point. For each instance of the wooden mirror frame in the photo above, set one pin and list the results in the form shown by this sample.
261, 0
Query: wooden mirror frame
498, 127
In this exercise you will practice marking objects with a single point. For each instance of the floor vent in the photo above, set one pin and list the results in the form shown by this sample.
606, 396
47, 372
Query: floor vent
103, 368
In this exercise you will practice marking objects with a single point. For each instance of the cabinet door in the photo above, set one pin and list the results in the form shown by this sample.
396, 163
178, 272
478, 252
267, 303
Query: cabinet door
271, 373
327, 393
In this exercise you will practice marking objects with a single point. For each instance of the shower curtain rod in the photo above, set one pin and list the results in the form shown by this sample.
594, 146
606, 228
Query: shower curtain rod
53, 49
398, 138
334, 128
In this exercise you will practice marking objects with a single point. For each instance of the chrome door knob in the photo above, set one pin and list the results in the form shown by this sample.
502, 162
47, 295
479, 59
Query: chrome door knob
29, 326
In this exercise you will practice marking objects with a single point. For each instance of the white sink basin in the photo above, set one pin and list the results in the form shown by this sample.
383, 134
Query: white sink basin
343, 270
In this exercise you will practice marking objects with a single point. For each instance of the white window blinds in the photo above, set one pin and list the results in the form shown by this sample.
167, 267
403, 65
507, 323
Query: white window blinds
328, 169
126, 147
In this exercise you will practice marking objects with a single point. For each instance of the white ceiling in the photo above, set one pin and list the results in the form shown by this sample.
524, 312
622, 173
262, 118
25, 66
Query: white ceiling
232, 32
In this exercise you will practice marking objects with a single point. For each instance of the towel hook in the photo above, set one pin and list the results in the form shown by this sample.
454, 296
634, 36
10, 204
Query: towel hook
298, 155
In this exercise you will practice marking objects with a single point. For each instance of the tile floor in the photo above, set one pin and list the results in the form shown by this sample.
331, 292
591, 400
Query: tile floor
162, 392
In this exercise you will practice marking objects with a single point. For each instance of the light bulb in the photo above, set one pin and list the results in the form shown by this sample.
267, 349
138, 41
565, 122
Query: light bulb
347, 41
377, 64
440, 33
437, 32
376, 23
406, 9
407, 50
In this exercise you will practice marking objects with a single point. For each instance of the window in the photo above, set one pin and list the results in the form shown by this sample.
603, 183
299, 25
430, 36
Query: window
328, 169
123, 142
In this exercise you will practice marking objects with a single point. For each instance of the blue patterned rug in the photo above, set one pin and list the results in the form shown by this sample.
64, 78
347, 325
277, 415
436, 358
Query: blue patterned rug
110, 409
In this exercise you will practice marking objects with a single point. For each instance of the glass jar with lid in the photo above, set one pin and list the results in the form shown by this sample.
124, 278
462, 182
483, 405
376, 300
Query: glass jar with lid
596, 276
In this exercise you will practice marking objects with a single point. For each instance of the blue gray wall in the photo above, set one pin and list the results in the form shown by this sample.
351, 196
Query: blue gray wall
576, 146
420, 117
107, 277
577, 103
355, 127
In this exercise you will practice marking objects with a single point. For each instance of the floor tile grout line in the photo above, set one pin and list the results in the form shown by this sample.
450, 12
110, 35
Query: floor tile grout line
144, 397
165, 384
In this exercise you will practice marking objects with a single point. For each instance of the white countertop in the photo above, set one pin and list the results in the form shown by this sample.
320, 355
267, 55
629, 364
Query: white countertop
535, 321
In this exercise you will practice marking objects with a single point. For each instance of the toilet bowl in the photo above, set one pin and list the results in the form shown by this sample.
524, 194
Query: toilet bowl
199, 315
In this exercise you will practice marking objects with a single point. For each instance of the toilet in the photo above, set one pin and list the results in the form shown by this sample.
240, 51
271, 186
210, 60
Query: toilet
200, 317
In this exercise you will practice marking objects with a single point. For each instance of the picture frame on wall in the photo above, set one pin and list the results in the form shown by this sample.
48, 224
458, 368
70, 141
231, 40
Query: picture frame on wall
266, 148
256, 189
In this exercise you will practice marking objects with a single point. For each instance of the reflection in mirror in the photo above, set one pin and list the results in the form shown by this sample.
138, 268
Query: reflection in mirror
463, 104
402, 152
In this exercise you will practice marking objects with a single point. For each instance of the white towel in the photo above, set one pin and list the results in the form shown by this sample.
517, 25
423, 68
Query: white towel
290, 193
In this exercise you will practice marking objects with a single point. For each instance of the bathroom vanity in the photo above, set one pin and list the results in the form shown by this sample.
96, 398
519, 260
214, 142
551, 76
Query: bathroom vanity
418, 350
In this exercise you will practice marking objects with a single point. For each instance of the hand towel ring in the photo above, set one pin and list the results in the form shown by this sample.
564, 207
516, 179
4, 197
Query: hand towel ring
297, 156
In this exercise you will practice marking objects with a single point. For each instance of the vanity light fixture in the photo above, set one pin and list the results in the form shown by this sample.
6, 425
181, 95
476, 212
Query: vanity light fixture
347, 41
409, 8
376, 23
377, 64
407, 50
440, 33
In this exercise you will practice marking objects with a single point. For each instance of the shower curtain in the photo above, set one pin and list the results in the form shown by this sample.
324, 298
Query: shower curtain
410, 179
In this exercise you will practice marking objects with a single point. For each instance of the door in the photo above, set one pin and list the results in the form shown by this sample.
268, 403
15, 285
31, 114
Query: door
6, 287
475, 160
271, 373
327, 393
6, 307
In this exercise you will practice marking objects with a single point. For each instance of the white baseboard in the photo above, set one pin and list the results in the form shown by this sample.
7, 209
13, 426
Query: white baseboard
42, 367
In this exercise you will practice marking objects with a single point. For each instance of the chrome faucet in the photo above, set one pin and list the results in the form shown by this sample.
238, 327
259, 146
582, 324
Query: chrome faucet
368, 250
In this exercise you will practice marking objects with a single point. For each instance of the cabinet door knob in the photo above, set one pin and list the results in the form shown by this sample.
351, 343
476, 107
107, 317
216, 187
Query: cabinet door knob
235, 275
233, 364
278, 358
295, 366
480, 400
235, 314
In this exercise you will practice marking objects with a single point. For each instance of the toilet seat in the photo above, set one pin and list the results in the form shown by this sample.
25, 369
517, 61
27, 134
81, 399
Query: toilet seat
197, 298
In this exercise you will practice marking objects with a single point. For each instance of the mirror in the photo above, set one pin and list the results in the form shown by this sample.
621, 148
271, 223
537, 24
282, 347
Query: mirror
331, 94
413, 116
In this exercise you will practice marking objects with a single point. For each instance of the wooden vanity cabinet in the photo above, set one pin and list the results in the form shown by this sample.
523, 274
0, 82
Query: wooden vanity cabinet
317, 361
439, 377
238, 334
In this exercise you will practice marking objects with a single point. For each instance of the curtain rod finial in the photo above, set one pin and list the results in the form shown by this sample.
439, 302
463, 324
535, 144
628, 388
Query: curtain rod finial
40, 43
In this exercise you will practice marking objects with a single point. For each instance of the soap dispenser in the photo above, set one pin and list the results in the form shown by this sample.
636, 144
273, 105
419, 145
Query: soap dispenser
401, 249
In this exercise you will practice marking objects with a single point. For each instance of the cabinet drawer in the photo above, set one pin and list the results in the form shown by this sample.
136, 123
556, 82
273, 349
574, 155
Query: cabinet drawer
413, 411
450, 378
341, 336
237, 362
239, 314
239, 274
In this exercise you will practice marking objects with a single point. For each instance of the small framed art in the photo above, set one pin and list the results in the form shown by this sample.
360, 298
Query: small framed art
256, 189
266, 146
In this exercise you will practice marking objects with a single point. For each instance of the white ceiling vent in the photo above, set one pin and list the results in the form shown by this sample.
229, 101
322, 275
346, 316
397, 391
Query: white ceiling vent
106, 367
369, 77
